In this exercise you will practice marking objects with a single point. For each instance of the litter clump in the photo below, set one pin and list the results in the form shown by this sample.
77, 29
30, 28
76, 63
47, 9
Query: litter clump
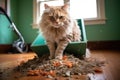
69, 65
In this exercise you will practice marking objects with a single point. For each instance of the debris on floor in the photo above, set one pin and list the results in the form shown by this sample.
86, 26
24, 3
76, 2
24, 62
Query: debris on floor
68, 66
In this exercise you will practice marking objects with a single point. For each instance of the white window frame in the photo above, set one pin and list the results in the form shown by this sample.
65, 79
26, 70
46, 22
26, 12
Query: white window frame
8, 7
101, 19
91, 21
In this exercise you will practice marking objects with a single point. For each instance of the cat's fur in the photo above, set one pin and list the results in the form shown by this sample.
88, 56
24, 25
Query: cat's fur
58, 29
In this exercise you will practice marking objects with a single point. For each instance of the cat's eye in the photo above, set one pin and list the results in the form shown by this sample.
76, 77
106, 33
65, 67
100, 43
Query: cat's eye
60, 17
52, 18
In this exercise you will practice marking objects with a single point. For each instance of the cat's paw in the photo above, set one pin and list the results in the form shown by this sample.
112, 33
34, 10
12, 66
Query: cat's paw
51, 57
58, 57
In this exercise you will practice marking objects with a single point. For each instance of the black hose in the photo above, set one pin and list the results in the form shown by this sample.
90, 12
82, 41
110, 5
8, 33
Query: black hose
1, 9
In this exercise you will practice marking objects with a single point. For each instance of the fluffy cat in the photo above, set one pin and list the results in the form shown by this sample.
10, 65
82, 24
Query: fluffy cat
58, 29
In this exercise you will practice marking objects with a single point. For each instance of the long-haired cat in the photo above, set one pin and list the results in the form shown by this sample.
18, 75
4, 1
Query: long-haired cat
58, 29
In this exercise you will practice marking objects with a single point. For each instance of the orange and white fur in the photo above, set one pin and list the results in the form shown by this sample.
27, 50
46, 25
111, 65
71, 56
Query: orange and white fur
58, 29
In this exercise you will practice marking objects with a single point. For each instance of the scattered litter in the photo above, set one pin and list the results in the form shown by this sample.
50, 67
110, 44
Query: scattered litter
69, 65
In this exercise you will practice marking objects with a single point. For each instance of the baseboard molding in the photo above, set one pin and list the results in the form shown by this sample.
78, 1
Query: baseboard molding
114, 45
93, 45
4, 48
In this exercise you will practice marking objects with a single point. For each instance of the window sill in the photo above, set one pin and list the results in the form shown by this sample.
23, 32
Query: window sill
35, 26
94, 21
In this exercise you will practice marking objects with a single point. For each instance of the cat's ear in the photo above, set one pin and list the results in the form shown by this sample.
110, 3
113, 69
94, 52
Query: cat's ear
65, 7
46, 6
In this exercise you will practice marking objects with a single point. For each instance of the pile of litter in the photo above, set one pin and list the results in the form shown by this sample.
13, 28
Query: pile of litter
69, 65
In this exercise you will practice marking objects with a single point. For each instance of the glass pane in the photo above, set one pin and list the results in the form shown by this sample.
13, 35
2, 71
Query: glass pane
83, 9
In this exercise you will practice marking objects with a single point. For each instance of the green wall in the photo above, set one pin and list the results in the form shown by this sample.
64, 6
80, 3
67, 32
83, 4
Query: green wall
22, 15
25, 20
6, 33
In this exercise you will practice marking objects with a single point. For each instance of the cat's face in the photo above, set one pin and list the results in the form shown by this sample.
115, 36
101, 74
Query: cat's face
57, 15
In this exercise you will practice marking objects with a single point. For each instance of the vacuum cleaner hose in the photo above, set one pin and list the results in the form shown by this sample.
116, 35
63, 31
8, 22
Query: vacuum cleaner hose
19, 44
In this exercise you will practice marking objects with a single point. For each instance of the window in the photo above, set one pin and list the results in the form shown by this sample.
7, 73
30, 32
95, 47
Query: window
92, 11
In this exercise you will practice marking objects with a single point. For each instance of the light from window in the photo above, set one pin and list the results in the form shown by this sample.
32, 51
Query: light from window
83, 9
78, 9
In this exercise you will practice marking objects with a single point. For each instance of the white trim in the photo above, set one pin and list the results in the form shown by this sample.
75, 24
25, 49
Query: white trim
8, 7
34, 14
95, 21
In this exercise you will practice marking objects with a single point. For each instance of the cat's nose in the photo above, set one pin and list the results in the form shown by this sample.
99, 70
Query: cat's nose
57, 21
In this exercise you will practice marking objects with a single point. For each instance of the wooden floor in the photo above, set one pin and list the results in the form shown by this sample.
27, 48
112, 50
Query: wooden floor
112, 68
111, 71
